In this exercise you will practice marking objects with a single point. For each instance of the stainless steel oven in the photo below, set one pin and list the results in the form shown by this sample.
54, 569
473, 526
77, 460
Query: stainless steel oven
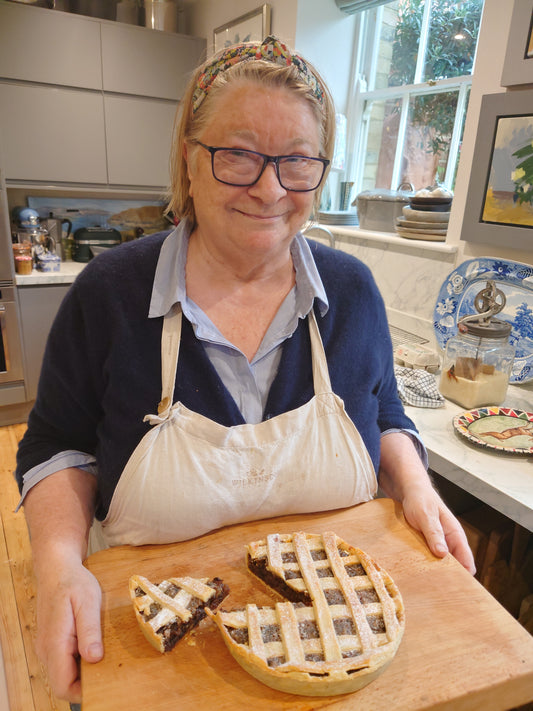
12, 389
11, 369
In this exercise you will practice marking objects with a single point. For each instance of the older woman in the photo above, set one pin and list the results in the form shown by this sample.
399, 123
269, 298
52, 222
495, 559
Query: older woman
225, 372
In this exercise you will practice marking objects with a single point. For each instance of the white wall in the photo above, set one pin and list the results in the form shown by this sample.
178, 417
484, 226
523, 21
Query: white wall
205, 15
325, 36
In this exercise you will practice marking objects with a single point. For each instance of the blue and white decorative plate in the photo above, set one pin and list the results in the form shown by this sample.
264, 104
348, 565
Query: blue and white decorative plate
456, 299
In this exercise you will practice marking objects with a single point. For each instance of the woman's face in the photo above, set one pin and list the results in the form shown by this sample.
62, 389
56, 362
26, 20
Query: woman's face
263, 217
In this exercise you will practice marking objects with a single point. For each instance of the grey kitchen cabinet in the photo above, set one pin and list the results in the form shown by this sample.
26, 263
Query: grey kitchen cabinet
138, 134
147, 62
95, 107
38, 307
52, 133
47, 46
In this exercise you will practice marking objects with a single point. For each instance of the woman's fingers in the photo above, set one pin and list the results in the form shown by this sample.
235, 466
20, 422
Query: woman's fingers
68, 623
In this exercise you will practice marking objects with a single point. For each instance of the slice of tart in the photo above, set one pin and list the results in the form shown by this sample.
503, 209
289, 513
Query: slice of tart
339, 628
167, 611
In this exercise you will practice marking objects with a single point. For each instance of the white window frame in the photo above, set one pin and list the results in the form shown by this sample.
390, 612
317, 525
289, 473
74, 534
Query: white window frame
367, 30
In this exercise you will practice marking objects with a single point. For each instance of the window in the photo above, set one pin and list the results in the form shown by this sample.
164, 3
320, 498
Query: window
413, 72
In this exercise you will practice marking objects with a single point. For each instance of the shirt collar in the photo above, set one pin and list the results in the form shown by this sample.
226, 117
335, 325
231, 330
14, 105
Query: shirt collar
169, 281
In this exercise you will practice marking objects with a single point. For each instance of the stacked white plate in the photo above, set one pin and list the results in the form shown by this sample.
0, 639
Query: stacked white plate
423, 224
338, 217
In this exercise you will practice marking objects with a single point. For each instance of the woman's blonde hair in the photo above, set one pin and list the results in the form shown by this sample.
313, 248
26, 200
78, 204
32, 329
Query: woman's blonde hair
191, 120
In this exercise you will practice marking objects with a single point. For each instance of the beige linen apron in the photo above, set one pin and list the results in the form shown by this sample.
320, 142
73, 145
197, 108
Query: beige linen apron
190, 475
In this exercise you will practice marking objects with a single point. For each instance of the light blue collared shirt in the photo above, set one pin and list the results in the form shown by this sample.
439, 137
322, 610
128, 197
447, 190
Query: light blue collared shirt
247, 381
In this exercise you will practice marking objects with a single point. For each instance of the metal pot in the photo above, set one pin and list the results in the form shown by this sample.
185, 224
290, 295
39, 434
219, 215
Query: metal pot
54, 226
378, 209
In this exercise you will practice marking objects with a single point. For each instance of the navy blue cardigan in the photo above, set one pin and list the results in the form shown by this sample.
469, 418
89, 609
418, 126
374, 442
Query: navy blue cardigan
102, 368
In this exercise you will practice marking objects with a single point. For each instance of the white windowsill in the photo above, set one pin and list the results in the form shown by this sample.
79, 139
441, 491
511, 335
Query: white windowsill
390, 238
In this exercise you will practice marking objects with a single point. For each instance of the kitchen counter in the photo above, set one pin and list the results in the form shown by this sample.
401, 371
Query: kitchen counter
66, 275
503, 481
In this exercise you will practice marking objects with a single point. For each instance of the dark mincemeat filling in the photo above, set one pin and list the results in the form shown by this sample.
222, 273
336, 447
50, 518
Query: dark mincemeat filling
239, 634
324, 572
367, 596
376, 622
258, 567
355, 569
308, 629
270, 633
344, 626
276, 661
334, 597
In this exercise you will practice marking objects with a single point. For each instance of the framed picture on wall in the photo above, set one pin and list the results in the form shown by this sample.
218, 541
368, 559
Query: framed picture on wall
251, 27
499, 202
518, 65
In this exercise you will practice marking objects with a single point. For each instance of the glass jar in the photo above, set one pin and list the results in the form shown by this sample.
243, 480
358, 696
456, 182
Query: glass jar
23, 257
477, 363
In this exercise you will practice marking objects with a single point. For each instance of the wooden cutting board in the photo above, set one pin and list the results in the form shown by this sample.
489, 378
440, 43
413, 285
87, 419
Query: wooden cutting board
461, 650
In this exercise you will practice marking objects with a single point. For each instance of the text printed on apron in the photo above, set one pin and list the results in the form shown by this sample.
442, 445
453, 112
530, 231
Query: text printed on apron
190, 475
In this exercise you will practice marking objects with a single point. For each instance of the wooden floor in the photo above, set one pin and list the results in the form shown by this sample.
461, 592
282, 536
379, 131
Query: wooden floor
25, 677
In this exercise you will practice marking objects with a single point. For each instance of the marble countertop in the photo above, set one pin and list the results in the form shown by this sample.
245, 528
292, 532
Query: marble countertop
503, 481
68, 271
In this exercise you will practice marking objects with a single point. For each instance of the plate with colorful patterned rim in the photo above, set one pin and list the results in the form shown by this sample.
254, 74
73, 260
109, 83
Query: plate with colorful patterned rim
456, 299
502, 428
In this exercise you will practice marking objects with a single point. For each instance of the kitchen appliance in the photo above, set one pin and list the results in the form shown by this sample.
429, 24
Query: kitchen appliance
12, 389
30, 229
10, 349
90, 241
54, 227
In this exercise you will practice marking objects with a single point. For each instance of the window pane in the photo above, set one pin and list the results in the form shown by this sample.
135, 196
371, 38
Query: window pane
383, 125
427, 138
406, 16
385, 51
452, 38
453, 32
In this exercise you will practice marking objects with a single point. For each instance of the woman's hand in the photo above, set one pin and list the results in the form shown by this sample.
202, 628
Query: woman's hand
403, 477
68, 625
59, 511
426, 512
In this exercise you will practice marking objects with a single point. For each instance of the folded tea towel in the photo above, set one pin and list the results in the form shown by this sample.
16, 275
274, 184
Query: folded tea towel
418, 387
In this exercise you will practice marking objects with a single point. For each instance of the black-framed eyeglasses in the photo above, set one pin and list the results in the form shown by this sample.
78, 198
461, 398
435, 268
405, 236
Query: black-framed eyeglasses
242, 168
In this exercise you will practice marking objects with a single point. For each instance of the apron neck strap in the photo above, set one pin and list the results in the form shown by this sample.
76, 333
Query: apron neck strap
321, 381
170, 347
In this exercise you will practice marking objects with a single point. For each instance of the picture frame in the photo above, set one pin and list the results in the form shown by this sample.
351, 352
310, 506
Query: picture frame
250, 27
498, 208
518, 64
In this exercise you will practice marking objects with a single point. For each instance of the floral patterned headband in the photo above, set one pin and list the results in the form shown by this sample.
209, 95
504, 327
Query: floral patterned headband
271, 49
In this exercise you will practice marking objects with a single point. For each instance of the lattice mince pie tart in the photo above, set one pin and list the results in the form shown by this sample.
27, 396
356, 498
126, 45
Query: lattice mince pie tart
167, 611
339, 627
